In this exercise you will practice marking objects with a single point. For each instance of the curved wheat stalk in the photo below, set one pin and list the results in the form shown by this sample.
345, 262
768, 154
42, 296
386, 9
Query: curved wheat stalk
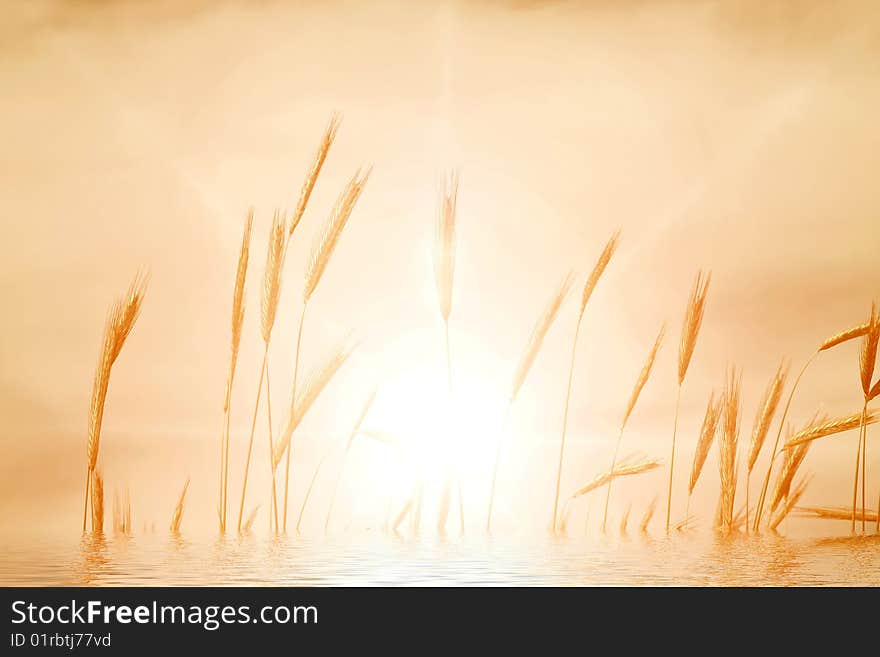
634, 397
649, 513
764, 418
120, 320
793, 459
315, 384
238, 305
527, 359
704, 444
365, 409
833, 341
177, 517
444, 274
589, 286
867, 358
693, 320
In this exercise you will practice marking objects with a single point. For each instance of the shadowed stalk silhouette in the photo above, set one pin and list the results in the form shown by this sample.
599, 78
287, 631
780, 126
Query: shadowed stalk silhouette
527, 359
830, 343
444, 273
764, 418
238, 305
120, 320
704, 444
867, 358
690, 329
351, 436
177, 516
589, 286
728, 447
268, 309
637, 390
305, 194
322, 250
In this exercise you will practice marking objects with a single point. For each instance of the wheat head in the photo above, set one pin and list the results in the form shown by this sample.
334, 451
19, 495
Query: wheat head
643, 375
707, 436
626, 468
326, 242
766, 411
312, 176
868, 352
315, 383
539, 332
272, 276
844, 336
444, 245
693, 319
599, 269
831, 427
791, 500
728, 446
177, 517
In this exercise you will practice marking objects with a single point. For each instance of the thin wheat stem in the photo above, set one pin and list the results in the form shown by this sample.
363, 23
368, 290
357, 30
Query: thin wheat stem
247, 463
86, 505
687, 511
759, 510
495, 467
308, 494
271, 451
864, 460
302, 320
613, 464
672, 458
856, 476
577, 332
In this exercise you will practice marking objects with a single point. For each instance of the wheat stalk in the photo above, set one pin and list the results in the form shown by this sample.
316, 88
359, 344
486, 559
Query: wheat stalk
649, 513
830, 428
833, 341
629, 466
120, 320
354, 431
790, 501
624, 519
527, 359
832, 513
315, 170
589, 286
238, 305
314, 385
97, 503
322, 250
271, 291
693, 320
249, 523
764, 418
867, 358
444, 272
728, 447
177, 516
634, 397
704, 444
793, 459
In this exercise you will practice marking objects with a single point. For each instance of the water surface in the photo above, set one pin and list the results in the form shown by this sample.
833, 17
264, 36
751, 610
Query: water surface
382, 559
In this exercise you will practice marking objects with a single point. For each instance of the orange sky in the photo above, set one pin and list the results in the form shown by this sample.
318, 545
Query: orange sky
737, 136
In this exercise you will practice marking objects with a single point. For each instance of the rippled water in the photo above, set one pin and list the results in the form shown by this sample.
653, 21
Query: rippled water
380, 559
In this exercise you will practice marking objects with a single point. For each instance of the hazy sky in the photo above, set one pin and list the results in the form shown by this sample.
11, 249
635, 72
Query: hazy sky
740, 137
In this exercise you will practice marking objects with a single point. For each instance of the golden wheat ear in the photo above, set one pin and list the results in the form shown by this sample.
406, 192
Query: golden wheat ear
728, 447
539, 332
628, 467
644, 375
707, 436
868, 352
272, 276
312, 177
327, 240
766, 410
831, 427
444, 245
693, 320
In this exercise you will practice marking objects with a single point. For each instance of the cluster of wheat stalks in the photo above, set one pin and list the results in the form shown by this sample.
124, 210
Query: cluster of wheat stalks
722, 418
